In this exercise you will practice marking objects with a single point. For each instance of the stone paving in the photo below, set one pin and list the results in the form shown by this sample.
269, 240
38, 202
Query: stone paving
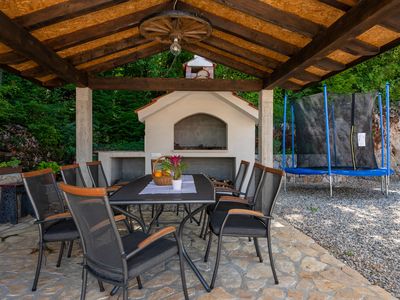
305, 270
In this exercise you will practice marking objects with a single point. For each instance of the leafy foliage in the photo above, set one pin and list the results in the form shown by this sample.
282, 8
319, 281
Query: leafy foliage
12, 163
37, 124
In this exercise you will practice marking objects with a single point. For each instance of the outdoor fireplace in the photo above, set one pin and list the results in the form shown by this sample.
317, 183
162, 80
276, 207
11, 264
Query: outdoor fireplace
200, 132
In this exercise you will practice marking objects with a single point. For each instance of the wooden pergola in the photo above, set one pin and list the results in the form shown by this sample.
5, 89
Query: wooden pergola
288, 43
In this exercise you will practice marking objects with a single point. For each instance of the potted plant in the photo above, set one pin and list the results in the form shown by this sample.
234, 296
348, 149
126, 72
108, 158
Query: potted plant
177, 167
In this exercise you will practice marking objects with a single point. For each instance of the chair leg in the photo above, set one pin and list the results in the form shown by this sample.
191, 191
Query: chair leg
114, 290
208, 247
139, 283
101, 286
207, 226
71, 244
125, 293
60, 254
183, 277
203, 218
177, 209
38, 266
258, 249
214, 278
271, 259
84, 283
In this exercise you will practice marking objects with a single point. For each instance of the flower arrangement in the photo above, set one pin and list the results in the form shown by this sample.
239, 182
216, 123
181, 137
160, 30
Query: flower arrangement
175, 165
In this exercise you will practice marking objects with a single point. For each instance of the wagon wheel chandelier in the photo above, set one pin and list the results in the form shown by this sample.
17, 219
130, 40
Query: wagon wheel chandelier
175, 27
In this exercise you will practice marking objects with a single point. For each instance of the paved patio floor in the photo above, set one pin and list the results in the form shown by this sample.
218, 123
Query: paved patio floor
305, 270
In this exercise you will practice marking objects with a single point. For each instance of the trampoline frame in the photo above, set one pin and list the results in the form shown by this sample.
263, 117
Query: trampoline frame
384, 171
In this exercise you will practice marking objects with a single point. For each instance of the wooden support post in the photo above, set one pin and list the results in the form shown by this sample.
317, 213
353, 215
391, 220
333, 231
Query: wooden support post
84, 135
266, 127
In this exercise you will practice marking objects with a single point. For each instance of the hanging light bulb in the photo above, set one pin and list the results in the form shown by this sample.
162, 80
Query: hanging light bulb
175, 47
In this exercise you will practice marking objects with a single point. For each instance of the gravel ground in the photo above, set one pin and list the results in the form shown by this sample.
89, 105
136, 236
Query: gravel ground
358, 225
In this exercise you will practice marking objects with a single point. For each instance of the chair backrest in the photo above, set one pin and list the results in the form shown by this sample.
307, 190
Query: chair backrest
255, 180
43, 193
269, 190
72, 175
97, 174
241, 175
94, 219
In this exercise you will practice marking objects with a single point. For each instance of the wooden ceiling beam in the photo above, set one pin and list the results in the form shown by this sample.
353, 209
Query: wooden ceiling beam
362, 17
243, 32
61, 12
358, 47
330, 65
16, 72
275, 16
17, 38
129, 58
218, 58
175, 84
235, 49
307, 76
91, 33
288, 85
92, 54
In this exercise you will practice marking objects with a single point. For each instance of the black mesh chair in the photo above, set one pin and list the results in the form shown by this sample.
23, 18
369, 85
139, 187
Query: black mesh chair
54, 223
99, 179
236, 187
108, 256
245, 200
72, 175
253, 223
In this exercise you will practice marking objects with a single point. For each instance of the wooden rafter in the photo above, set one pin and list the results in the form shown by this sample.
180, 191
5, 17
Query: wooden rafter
16, 37
174, 84
243, 32
337, 4
62, 11
92, 54
366, 14
273, 15
218, 58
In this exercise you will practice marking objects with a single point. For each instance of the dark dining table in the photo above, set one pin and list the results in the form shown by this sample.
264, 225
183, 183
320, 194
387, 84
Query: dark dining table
204, 195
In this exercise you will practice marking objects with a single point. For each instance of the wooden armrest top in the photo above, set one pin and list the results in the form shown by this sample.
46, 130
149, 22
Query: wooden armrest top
118, 218
233, 199
113, 188
238, 211
121, 183
63, 215
155, 236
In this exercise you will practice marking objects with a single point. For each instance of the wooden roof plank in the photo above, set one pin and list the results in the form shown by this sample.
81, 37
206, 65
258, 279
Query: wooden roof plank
62, 11
242, 52
275, 16
196, 49
243, 32
358, 47
16, 37
175, 84
129, 58
337, 4
366, 14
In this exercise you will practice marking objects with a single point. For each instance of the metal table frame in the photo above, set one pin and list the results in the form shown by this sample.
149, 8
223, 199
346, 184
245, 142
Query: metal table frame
124, 197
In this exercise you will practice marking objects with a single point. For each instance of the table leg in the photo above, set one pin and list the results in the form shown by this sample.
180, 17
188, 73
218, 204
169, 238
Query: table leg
155, 218
182, 245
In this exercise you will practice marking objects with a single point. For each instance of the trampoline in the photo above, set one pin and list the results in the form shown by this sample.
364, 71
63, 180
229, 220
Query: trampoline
333, 135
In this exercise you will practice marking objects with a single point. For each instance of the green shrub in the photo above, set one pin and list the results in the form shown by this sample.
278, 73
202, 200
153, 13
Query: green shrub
49, 164
13, 163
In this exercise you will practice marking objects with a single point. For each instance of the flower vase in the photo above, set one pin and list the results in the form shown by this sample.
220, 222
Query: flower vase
177, 184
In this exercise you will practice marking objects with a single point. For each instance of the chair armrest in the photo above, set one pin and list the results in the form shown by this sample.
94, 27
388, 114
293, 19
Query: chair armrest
113, 188
121, 183
248, 212
156, 236
233, 199
60, 216
118, 218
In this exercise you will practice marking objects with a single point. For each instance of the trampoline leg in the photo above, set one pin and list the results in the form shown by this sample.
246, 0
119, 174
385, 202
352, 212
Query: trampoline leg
387, 185
330, 186
284, 183
383, 185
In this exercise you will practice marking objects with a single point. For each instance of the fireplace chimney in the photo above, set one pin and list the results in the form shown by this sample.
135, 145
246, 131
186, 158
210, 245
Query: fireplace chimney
199, 68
